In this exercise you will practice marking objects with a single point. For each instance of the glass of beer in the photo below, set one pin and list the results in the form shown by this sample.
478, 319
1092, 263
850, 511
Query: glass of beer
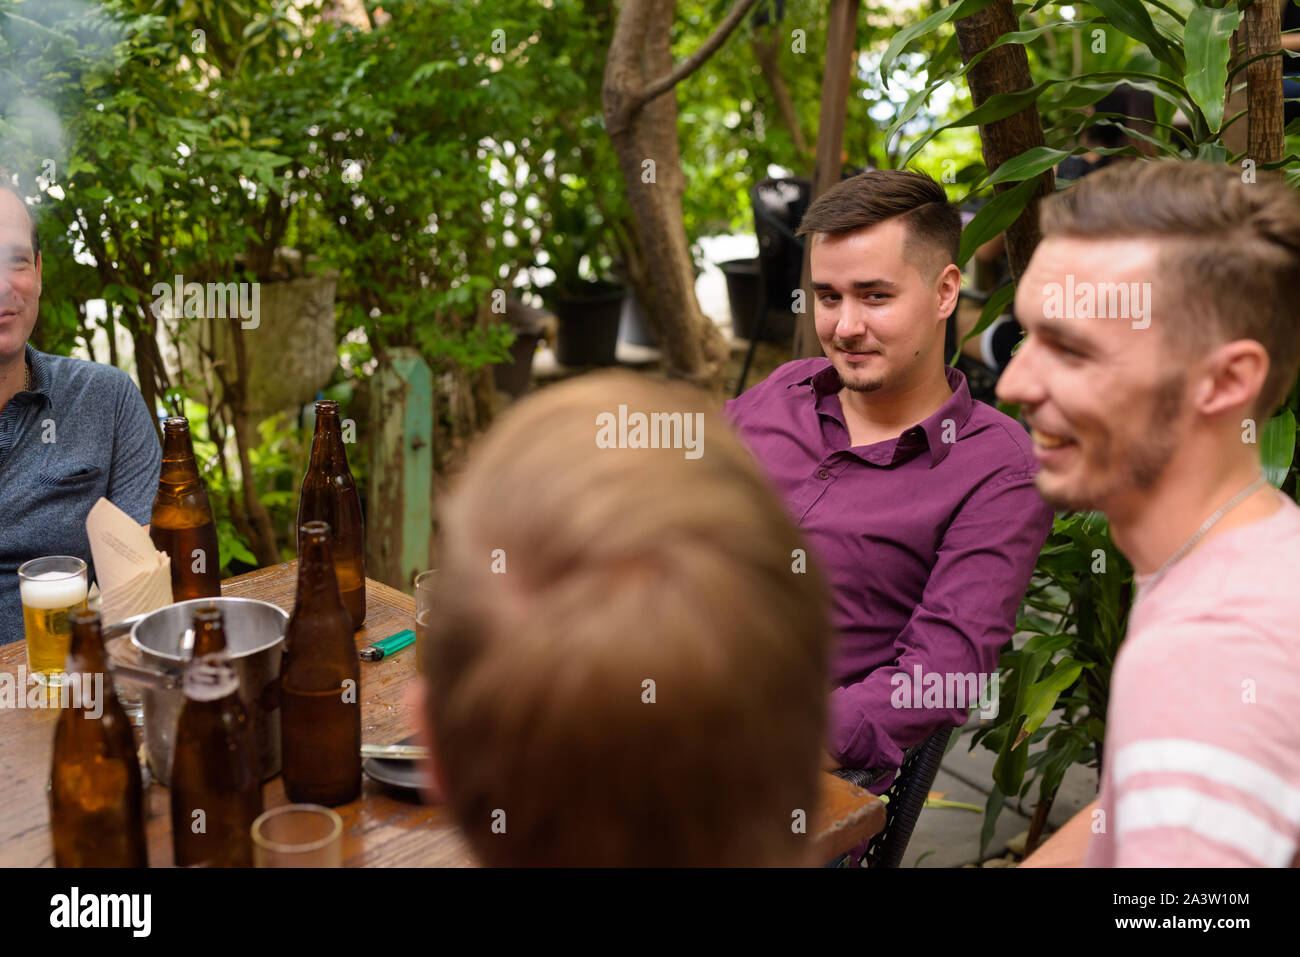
298, 835
50, 588
424, 592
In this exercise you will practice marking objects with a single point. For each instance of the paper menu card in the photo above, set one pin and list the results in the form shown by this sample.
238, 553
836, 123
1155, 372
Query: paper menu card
134, 577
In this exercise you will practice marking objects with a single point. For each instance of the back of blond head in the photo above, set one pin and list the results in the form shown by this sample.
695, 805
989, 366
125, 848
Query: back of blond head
641, 679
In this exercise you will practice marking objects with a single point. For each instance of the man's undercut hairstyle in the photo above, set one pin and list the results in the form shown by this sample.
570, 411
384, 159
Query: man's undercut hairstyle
7, 185
1228, 265
628, 653
933, 222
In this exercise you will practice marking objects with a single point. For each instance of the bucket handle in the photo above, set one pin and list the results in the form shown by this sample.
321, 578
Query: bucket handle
164, 680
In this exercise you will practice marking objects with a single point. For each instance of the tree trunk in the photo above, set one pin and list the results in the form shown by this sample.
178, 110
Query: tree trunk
1005, 70
841, 43
263, 542
1261, 28
147, 371
641, 118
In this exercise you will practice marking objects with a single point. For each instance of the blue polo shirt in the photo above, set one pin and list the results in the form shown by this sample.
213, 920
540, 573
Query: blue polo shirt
81, 432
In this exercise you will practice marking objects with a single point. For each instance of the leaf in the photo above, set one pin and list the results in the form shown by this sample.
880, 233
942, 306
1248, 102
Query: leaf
1043, 695
1058, 762
999, 213
1212, 153
933, 802
921, 96
1001, 105
1048, 643
1277, 446
1208, 40
963, 8
1131, 18
1030, 163
1087, 84
1009, 768
992, 808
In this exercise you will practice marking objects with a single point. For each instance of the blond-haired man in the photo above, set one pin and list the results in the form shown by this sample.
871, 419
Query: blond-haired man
1161, 336
628, 664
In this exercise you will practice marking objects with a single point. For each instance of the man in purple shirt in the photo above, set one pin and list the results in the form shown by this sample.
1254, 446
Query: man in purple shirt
917, 502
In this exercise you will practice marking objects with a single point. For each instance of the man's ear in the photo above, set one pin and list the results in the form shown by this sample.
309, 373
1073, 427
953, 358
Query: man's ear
948, 285
38, 275
1232, 377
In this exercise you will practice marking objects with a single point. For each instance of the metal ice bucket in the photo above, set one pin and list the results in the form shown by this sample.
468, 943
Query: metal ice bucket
255, 637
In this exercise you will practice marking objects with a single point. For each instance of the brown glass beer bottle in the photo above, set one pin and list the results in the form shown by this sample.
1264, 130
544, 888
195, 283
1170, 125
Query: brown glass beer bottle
96, 795
181, 524
320, 684
216, 786
329, 494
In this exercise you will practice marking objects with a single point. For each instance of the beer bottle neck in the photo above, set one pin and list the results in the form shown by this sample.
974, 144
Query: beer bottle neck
177, 446
318, 586
86, 653
178, 471
209, 638
327, 444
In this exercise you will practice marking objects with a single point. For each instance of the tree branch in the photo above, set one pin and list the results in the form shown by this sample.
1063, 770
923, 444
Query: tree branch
694, 61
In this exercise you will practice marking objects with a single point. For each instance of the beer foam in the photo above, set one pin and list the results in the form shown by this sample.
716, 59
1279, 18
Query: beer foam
52, 590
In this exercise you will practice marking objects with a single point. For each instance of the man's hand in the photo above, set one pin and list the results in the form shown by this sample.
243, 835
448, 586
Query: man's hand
1067, 847
829, 763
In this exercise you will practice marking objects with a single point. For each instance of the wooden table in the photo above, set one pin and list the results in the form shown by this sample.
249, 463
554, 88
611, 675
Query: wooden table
381, 828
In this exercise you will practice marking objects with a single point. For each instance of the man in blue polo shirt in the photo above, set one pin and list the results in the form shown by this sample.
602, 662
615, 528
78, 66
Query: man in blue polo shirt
71, 431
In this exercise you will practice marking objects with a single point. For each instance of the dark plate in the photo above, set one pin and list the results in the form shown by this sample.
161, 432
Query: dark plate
401, 774
398, 774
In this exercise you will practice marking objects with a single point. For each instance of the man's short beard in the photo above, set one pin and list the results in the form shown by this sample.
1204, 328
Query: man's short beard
860, 385
870, 386
1145, 461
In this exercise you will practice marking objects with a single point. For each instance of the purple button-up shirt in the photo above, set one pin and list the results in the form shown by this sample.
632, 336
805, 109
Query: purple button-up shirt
928, 540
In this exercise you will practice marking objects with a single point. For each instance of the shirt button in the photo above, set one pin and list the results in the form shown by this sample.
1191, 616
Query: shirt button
823, 474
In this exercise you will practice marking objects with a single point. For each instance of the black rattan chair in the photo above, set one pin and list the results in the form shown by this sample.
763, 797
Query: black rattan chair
906, 798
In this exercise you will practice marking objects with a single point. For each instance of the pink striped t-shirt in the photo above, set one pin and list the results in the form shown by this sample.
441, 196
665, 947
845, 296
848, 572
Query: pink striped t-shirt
1201, 765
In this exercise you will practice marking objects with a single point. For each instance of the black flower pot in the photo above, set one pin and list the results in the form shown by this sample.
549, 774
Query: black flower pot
633, 328
588, 325
513, 377
744, 293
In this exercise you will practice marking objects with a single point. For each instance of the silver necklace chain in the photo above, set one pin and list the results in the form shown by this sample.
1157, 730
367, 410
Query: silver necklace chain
1200, 533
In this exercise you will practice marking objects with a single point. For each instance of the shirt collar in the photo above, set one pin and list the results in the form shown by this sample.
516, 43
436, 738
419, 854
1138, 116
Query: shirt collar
940, 429
41, 382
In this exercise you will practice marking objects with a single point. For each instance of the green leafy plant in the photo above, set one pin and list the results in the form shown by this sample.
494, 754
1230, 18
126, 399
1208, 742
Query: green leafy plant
277, 465
1074, 615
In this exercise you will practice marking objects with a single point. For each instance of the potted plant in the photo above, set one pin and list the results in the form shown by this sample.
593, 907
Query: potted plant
586, 296
513, 377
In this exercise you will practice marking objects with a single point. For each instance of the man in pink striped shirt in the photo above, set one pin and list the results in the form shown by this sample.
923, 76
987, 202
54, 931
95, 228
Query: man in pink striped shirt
1161, 335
